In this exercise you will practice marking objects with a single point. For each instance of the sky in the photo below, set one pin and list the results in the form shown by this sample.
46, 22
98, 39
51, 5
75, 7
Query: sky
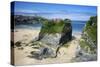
50, 11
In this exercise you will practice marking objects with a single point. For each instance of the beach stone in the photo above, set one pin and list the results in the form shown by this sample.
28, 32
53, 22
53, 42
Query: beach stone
42, 53
84, 56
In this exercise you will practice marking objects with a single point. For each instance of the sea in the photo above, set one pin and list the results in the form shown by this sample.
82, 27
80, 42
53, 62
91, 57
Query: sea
77, 26
28, 26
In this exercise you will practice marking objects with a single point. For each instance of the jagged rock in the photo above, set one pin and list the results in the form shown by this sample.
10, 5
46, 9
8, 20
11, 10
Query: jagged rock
66, 33
42, 53
83, 56
50, 40
18, 44
88, 42
44, 50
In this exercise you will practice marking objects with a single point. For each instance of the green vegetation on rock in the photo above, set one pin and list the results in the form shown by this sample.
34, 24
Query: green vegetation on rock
52, 26
89, 36
91, 28
55, 26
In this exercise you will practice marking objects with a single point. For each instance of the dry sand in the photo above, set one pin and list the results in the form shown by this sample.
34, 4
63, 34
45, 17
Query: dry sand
65, 53
25, 34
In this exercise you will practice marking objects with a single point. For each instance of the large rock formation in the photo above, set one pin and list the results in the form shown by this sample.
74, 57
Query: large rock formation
89, 35
53, 34
88, 42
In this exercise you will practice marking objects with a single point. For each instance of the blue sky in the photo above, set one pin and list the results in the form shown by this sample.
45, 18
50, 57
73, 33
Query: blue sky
73, 12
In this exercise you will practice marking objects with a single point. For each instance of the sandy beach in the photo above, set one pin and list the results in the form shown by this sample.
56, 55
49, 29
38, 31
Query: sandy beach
64, 56
25, 34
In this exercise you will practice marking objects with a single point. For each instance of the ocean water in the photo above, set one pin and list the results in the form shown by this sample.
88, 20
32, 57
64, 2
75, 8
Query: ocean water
29, 26
77, 26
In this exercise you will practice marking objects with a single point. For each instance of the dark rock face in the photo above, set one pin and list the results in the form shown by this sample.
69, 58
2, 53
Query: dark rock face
61, 37
66, 33
51, 39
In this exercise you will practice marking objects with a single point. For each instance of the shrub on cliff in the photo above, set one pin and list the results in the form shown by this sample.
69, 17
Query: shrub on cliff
89, 37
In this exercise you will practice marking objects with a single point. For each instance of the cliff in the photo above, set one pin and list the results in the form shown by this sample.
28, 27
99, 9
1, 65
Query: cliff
88, 42
89, 36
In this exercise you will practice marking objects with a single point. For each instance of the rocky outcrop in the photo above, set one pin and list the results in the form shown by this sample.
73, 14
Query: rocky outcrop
89, 35
51, 39
22, 19
88, 42
43, 50
52, 36
83, 56
66, 33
